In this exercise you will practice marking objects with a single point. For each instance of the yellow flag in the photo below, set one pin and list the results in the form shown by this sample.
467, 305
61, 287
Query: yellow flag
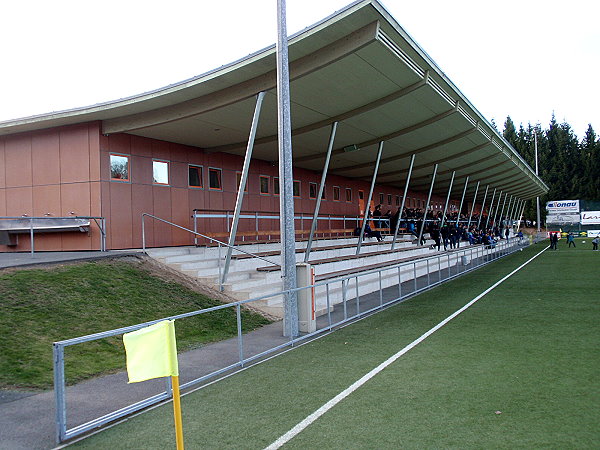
151, 352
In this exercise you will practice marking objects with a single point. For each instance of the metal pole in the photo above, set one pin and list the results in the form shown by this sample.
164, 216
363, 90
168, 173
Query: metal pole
143, 235
31, 234
59, 392
368, 205
412, 161
321, 188
487, 186
242, 186
447, 200
286, 177
537, 199
498, 207
502, 210
521, 215
487, 220
435, 168
462, 199
473, 206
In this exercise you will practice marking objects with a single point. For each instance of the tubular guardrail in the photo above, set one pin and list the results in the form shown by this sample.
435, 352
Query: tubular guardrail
408, 284
196, 234
32, 229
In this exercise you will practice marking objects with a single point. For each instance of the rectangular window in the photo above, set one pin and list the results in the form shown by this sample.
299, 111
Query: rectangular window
276, 185
336, 193
296, 188
264, 184
348, 194
397, 200
361, 195
324, 195
160, 172
214, 178
389, 199
312, 190
381, 199
119, 167
195, 176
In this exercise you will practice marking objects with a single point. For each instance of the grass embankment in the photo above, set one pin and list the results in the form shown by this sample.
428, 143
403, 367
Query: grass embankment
519, 369
40, 306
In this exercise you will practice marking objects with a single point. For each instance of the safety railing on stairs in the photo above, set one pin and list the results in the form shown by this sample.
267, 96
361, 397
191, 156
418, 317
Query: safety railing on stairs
196, 234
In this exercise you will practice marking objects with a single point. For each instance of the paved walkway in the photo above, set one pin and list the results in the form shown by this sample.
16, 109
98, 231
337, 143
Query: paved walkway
27, 259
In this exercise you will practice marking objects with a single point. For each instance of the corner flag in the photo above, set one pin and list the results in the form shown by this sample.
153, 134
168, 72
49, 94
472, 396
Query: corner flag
151, 352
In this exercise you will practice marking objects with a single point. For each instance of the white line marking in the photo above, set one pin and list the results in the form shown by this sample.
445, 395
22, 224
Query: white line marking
349, 390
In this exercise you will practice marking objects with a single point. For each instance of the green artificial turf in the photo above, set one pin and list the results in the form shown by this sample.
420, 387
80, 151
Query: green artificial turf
519, 369
40, 306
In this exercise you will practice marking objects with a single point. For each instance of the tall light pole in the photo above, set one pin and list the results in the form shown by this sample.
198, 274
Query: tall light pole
536, 173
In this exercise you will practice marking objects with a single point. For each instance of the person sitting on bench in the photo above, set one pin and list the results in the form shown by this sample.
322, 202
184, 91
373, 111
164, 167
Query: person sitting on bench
369, 233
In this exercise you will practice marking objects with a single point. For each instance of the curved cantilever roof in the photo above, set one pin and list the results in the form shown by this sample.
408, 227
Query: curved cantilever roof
358, 67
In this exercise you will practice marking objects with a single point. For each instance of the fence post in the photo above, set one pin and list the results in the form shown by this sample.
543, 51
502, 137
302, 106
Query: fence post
31, 233
238, 312
59, 392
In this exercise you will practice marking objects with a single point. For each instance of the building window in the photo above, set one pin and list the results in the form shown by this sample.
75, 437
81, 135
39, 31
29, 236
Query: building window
389, 199
381, 199
195, 176
160, 172
312, 190
214, 178
397, 200
296, 188
238, 180
276, 185
264, 184
336, 193
348, 194
119, 167
361, 195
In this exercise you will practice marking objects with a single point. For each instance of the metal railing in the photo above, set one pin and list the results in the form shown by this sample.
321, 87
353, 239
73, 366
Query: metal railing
36, 228
388, 286
196, 234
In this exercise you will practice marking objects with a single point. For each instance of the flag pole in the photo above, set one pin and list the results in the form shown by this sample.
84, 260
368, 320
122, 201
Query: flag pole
177, 412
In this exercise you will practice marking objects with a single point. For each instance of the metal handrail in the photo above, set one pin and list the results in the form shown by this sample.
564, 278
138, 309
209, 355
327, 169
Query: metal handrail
101, 226
195, 233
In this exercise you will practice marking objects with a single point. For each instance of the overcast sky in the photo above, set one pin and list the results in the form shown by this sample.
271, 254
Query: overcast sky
526, 58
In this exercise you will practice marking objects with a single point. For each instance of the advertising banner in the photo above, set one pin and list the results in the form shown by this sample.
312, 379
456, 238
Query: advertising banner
562, 219
590, 217
591, 233
562, 207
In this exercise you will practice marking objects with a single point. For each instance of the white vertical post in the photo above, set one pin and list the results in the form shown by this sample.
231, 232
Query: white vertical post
482, 206
412, 161
368, 205
447, 200
435, 168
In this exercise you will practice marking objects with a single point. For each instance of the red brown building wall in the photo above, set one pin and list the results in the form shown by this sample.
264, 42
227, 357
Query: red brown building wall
56, 173
66, 172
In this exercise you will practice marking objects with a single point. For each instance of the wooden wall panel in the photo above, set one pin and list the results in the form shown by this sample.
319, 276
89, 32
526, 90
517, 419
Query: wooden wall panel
180, 215
46, 200
17, 157
140, 146
75, 199
120, 224
94, 146
142, 202
2, 165
162, 208
74, 154
19, 201
140, 170
2, 202
45, 152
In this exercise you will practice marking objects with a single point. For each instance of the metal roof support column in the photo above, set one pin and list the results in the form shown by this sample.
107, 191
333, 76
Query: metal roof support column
487, 186
313, 227
367, 209
462, 199
507, 208
521, 215
511, 205
498, 218
435, 168
286, 178
473, 206
490, 208
412, 161
447, 199
495, 213
242, 186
